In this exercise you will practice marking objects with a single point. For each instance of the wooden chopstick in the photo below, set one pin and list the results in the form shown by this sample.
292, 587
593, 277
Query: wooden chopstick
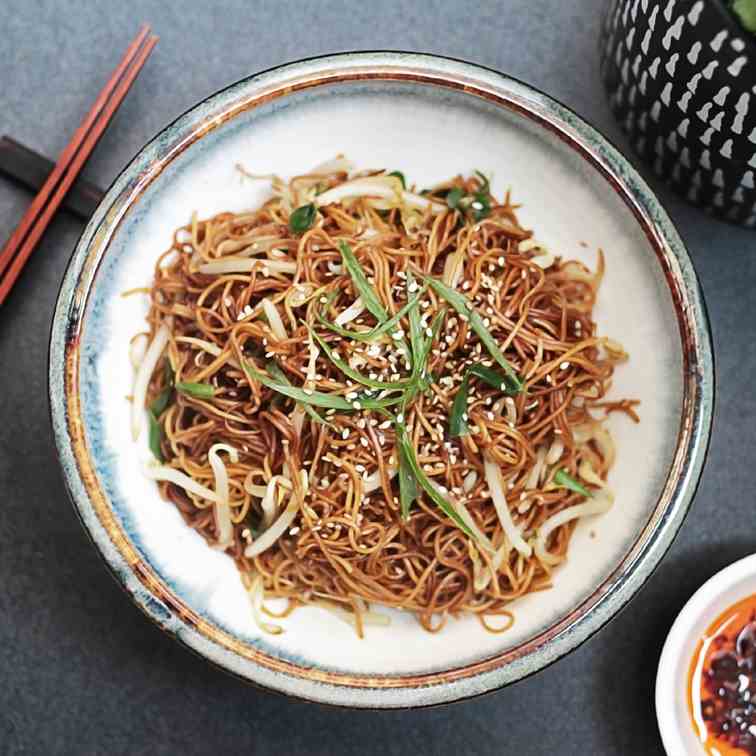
29, 169
36, 219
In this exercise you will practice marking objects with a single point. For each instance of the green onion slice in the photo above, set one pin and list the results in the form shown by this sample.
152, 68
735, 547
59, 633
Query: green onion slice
349, 371
302, 218
454, 197
156, 436
405, 447
457, 422
379, 330
565, 480
366, 292
160, 402
197, 390
407, 485
465, 307
318, 398
400, 176
275, 371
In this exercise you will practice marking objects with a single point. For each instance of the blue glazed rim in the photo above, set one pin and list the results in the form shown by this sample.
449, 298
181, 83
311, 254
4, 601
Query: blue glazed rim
165, 608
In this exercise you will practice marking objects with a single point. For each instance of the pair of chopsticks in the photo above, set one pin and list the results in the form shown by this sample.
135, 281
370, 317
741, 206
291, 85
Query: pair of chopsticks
29, 170
24, 239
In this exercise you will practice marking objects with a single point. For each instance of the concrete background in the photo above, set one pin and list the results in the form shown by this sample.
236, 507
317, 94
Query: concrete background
82, 671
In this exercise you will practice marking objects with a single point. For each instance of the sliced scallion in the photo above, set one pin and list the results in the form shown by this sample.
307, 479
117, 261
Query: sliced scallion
366, 292
485, 183
493, 378
405, 447
156, 436
350, 372
454, 197
407, 485
318, 398
197, 390
379, 330
302, 218
275, 371
465, 307
160, 402
565, 480
400, 176
457, 422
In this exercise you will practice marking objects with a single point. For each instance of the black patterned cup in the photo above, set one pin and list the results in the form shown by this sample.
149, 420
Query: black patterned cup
681, 78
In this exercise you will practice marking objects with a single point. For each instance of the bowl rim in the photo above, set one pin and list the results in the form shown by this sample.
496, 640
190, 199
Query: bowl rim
696, 607
158, 601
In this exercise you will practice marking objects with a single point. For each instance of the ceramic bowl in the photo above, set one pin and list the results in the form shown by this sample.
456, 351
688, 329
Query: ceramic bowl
715, 596
431, 118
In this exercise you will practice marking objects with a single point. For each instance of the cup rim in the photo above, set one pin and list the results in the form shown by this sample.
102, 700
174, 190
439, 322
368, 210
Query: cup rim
697, 607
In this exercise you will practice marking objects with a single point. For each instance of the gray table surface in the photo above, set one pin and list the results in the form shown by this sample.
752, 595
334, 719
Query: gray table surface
81, 670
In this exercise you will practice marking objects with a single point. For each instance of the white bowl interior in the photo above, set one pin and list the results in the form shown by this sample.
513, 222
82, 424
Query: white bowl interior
733, 584
429, 134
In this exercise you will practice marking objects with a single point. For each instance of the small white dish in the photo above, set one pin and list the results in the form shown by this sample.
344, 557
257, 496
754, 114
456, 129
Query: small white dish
728, 587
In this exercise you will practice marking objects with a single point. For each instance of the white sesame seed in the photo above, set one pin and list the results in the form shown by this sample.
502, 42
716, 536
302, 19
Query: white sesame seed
364, 441
356, 405
564, 365
345, 434
293, 531
308, 391
400, 418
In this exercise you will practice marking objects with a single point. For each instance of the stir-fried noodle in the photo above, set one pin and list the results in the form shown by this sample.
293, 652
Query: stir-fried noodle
368, 395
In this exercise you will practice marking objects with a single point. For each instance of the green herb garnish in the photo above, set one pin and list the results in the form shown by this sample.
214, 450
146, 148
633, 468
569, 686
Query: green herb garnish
466, 308
156, 436
366, 292
493, 378
565, 480
454, 197
302, 218
407, 485
197, 390
400, 176
275, 371
457, 422
405, 447
160, 402
349, 371
416, 331
485, 183
318, 398
168, 374
378, 330
478, 213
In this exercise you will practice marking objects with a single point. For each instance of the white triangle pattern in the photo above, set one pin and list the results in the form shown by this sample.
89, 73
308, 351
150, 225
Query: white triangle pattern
660, 81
